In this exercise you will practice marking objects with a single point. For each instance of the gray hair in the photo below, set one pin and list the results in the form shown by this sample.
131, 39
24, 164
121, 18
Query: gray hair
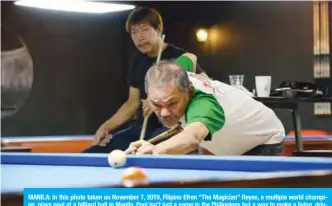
167, 72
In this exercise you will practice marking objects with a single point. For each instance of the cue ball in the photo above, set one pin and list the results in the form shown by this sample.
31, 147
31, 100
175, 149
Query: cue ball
117, 158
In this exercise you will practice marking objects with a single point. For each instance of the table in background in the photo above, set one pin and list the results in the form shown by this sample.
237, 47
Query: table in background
309, 143
293, 105
51, 144
31, 170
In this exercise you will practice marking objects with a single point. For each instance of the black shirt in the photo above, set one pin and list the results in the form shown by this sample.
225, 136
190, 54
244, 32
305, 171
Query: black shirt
140, 64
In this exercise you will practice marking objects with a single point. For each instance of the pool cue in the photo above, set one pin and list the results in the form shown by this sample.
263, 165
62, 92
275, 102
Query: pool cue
172, 131
146, 118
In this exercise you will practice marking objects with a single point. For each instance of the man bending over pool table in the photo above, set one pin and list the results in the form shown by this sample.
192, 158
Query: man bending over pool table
145, 27
215, 116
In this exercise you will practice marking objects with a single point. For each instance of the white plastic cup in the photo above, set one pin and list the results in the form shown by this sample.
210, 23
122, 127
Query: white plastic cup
236, 80
263, 86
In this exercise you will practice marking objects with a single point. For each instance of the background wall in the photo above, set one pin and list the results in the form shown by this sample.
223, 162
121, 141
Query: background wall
81, 61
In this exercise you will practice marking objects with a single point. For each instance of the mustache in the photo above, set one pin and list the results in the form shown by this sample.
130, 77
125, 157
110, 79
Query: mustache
168, 118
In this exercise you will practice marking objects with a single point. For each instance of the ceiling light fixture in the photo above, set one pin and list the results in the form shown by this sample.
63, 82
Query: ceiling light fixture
75, 5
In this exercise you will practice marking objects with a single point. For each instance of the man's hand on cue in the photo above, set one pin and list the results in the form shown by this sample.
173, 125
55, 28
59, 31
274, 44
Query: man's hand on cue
141, 147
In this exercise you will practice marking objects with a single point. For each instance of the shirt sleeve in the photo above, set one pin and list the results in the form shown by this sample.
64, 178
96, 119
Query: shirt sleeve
178, 52
185, 62
205, 108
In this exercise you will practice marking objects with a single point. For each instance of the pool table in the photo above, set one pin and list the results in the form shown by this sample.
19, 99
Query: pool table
323, 142
50, 144
77, 143
31, 170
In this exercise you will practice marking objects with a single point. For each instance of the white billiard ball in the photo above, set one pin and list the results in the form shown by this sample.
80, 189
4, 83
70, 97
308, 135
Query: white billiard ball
117, 158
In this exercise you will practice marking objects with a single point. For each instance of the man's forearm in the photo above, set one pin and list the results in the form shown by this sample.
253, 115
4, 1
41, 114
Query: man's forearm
126, 112
186, 141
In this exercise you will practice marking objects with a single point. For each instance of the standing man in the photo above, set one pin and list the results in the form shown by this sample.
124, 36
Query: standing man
218, 117
145, 27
